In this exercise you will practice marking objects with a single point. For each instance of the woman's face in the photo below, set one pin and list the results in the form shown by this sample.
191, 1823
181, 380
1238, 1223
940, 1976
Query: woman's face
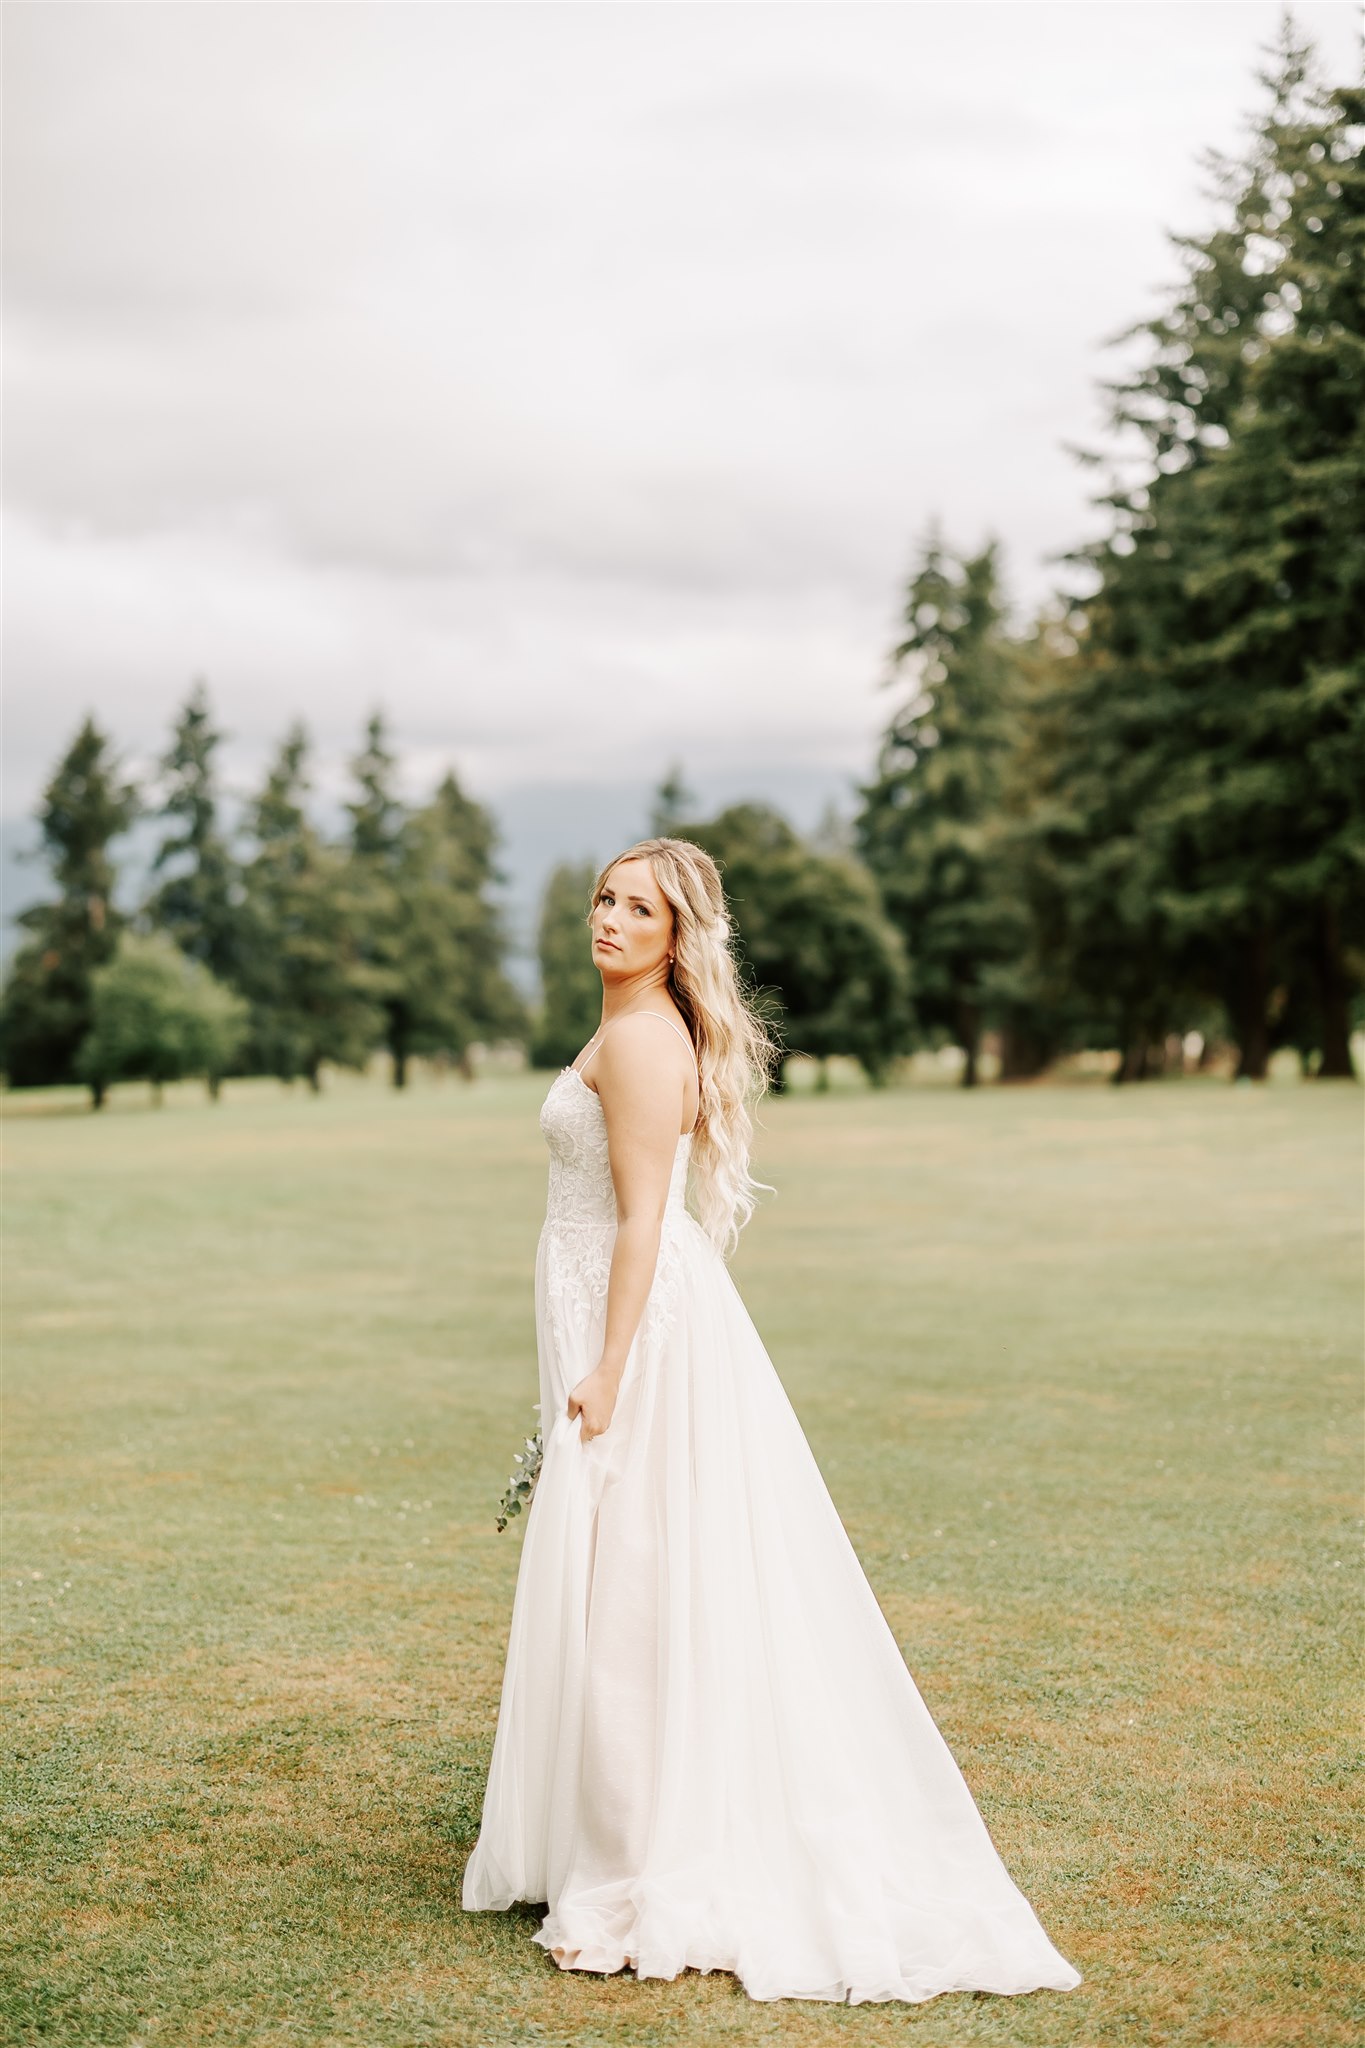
632, 925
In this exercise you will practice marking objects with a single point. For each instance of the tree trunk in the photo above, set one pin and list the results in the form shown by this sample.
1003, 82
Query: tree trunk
1134, 1046
822, 1077
969, 1038
1249, 1006
399, 1040
214, 1083
312, 1074
1132, 1064
97, 1094
1023, 1053
1336, 1063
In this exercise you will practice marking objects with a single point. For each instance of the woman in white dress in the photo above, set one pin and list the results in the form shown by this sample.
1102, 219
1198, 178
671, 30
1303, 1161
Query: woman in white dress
709, 1751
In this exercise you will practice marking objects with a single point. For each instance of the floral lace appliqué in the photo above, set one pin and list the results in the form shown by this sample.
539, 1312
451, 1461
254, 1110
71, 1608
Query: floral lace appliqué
580, 1216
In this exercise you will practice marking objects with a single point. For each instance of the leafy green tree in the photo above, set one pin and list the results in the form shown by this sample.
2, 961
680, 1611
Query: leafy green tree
928, 826
199, 902
46, 1008
570, 984
310, 990
158, 1015
826, 966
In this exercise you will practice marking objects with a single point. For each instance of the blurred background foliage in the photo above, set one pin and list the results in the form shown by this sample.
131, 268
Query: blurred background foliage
1137, 817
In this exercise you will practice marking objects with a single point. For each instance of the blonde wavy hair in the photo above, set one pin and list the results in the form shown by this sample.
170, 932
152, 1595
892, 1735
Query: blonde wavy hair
734, 1050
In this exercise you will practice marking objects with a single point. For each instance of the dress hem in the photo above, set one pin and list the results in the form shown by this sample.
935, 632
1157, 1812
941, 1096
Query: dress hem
610, 1963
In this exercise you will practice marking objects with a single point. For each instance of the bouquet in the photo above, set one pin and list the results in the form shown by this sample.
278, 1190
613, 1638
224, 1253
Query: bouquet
522, 1484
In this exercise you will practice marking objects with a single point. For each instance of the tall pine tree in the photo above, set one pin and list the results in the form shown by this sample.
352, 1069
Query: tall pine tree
377, 848
570, 982
431, 940
450, 946
1212, 800
199, 903
309, 989
46, 1008
929, 821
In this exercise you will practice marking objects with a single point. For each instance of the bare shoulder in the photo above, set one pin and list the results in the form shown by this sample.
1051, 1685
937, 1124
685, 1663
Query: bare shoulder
639, 1050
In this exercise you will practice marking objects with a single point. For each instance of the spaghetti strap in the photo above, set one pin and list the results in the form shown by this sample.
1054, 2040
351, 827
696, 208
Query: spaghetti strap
641, 1013
669, 1022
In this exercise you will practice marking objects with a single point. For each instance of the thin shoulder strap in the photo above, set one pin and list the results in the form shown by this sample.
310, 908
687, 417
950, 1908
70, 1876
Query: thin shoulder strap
642, 1013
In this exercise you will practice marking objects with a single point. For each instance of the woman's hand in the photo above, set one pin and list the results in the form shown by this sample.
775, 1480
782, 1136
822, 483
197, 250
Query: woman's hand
594, 1399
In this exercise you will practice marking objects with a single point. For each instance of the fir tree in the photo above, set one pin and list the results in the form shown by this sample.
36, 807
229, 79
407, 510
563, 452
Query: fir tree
46, 1008
570, 982
928, 822
1213, 795
450, 990
673, 801
199, 902
308, 986
431, 941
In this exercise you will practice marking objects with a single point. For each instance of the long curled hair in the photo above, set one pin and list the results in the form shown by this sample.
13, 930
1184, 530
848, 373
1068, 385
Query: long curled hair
734, 1050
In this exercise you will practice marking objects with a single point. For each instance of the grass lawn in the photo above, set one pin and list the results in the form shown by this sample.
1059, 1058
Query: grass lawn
1081, 1366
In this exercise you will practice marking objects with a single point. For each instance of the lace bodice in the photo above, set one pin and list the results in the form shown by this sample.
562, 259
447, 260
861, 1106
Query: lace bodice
575, 1128
580, 1216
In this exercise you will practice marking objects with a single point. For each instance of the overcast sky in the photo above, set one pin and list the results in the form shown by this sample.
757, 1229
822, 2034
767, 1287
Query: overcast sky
574, 380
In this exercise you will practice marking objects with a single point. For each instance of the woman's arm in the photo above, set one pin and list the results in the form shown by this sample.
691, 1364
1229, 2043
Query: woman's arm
642, 1089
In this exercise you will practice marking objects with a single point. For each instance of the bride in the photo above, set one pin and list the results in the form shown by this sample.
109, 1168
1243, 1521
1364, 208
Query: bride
709, 1752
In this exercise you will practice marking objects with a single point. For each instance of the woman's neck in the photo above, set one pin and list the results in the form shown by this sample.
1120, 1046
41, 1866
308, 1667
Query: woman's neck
635, 992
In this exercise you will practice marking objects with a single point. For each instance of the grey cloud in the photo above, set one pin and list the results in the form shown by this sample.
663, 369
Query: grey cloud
565, 376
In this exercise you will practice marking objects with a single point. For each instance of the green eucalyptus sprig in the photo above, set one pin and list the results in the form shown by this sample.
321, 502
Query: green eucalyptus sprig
522, 1484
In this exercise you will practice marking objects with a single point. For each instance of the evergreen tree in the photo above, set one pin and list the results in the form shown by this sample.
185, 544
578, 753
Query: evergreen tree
1213, 790
377, 851
309, 988
376, 811
450, 987
46, 1008
1097, 874
199, 902
928, 825
431, 939
570, 982
1280, 669
1031, 987
673, 801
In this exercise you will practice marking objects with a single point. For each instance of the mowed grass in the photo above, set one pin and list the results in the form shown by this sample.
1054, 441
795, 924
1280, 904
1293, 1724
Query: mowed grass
1082, 1369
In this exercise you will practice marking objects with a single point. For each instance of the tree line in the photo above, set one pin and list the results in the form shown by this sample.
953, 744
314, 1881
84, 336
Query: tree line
1137, 814
273, 950
1141, 813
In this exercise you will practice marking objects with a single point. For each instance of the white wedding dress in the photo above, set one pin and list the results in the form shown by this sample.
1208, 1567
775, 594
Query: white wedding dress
709, 1751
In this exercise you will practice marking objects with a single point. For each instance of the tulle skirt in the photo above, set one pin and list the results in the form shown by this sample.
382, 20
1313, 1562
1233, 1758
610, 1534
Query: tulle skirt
710, 1753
